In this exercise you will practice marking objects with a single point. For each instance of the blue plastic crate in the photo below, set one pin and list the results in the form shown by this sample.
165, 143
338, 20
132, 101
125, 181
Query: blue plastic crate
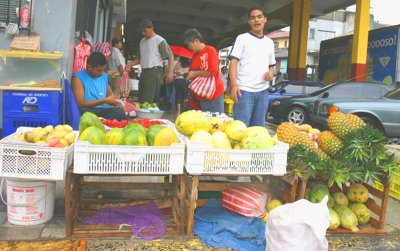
10, 124
22, 103
31, 109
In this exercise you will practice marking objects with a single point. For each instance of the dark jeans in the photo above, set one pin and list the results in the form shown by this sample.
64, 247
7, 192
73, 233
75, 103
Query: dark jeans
107, 113
181, 90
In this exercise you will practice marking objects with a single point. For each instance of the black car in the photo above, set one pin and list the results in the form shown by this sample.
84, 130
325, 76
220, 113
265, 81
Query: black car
298, 109
292, 88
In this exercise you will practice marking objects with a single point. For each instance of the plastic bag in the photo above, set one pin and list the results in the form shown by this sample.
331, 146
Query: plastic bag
247, 201
125, 85
300, 225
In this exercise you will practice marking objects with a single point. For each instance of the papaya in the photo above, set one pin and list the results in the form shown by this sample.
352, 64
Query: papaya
151, 133
134, 127
165, 137
115, 137
90, 119
135, 138
93, 135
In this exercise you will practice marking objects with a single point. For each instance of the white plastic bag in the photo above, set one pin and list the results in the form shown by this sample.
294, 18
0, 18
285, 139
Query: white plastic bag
298, 226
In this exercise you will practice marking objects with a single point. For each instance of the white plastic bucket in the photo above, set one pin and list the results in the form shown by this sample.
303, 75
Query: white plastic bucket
30, 202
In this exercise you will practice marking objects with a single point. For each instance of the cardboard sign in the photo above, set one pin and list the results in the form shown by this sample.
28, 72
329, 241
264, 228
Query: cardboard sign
29, 43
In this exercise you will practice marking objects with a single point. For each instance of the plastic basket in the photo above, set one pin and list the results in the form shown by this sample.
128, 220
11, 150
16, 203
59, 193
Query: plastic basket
202, 159
119, 159
34, 162
394, 189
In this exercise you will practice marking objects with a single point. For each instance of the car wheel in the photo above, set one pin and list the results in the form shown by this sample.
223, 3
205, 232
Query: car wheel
372, 122
296, 115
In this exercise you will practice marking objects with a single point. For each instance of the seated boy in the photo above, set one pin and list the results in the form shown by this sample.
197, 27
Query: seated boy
92, 91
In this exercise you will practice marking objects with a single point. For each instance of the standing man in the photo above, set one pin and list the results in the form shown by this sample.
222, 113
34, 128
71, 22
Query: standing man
224, 76
251, 68
153, 49
117, 64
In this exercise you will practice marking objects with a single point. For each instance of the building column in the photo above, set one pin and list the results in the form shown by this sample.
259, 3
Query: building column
298, 40
360, 41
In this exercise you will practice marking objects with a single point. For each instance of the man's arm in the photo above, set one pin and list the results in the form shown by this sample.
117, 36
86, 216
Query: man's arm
194, 74
269, 75
235, 91
169, 75
79, 93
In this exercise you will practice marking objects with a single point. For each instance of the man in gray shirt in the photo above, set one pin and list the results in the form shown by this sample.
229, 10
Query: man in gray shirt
153, 49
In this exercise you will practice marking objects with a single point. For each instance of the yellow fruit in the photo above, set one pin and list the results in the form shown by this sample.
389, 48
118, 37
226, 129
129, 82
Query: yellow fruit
165, 137
236, 130
191, 121
314, 131
70, 137
221, 140
305, 127
49, 128
65, 142
265, 218
274, 203
59, 128
216, 124
202, 137
67, 128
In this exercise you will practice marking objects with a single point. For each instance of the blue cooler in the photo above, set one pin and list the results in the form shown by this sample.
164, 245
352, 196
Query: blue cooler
31, 109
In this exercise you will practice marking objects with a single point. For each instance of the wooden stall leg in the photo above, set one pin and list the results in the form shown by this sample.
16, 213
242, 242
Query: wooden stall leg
192, 204
385, 200
302, 190
68, 216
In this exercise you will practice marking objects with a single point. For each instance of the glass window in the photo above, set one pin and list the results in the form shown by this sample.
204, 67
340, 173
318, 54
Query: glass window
8, 11
370, 91
296, 89
310, 89
343, 91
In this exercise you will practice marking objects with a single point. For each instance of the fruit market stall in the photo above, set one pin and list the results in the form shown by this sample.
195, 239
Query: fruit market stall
123, 167
343, 163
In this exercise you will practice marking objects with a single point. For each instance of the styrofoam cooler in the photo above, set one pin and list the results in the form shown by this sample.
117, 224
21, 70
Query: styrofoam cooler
30, 202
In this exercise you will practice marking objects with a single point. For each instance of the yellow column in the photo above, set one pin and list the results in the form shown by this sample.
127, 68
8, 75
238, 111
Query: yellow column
298, 39
360, 41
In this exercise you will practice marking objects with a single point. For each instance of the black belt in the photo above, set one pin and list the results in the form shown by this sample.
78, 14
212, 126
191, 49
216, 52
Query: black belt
153, 68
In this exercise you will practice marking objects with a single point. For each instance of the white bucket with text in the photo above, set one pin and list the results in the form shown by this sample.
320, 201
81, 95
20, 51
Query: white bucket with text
30, 202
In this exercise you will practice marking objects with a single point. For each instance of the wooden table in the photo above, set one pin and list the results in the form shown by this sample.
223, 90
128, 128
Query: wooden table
78, 204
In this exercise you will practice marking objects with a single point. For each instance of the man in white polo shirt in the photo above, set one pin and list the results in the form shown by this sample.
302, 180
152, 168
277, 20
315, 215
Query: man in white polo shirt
252, 62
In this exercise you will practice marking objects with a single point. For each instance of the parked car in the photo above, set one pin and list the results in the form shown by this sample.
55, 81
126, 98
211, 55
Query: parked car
292, 88
298, 109
382, 113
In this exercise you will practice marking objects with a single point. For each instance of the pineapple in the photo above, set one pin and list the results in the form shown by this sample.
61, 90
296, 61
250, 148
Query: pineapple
322, 155
340, 124
287, 133
356, 121
291, 134
329, 143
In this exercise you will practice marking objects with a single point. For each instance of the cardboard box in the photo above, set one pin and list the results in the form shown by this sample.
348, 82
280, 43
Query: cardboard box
28, 43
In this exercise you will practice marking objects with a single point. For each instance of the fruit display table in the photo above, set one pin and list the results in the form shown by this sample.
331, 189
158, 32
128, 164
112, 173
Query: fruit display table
79, 203
279, 186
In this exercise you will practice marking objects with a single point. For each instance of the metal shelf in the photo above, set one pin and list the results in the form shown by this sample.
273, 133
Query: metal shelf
29, 55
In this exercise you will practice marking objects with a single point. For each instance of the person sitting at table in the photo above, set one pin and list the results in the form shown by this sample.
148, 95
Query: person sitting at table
92, 90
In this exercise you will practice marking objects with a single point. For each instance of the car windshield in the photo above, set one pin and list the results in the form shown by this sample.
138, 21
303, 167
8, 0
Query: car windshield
394, 94
322, 90
278, 86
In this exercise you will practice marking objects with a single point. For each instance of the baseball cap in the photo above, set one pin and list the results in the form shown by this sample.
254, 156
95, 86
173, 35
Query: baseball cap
144, 23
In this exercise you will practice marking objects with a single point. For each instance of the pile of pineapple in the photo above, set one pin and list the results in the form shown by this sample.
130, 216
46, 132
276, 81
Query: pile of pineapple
350, 152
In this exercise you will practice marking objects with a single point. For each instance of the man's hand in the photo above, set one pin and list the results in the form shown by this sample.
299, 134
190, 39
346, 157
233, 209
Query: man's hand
235, 93
113, 100
190, 76
168, 77
112, 74
269, 75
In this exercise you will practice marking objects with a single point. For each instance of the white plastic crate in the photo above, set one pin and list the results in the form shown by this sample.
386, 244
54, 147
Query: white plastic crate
122, 159
34, 162
203, 159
